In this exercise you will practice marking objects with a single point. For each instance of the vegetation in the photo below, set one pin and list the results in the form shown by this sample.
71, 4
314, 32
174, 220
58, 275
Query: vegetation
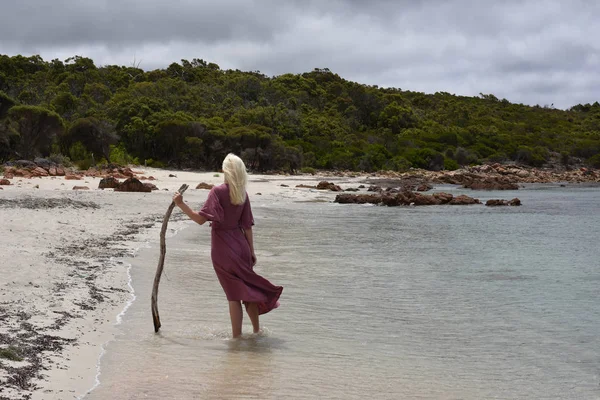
193, 113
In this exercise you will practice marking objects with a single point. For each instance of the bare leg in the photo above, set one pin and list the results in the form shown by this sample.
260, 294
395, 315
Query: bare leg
236, 314
252, 310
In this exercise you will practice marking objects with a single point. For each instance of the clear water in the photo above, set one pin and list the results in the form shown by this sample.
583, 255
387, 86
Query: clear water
445, 302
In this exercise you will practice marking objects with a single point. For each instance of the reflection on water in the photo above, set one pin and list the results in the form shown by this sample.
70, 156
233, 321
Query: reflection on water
431, 302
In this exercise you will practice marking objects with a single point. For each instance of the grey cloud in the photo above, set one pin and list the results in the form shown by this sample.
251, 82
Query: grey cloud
535, 52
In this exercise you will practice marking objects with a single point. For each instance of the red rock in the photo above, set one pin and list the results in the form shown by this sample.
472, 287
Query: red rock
464, 200
39, 171
151, 178
324, 185
8, 175
4, 182
60, 171
81, 188
109, 182
150, 185
52, 171
204, 185
73, 177
443, 197
132, 185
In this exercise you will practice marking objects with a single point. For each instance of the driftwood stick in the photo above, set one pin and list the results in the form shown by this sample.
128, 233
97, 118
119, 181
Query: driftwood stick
161, 261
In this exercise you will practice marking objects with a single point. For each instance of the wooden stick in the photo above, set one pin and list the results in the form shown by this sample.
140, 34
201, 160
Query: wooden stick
161, 261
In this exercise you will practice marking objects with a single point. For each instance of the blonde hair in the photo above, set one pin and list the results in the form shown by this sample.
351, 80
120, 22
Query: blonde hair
236, 177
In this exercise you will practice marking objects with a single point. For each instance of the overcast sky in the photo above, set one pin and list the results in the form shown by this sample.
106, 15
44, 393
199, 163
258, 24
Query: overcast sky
533, 52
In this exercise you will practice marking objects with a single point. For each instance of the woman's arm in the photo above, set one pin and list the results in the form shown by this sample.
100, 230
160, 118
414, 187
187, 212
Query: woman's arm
194, 216
250, 239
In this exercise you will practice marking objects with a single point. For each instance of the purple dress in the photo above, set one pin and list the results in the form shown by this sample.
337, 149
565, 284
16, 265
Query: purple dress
230, 251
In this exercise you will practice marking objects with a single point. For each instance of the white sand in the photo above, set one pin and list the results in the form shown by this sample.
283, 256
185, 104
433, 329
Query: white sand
68, 259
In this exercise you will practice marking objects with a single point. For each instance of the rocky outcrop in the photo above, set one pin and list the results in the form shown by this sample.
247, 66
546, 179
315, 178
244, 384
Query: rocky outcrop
491, 184
110, 182
500, 202
204, 185
132, 185
324, 185
4, 182
405, 198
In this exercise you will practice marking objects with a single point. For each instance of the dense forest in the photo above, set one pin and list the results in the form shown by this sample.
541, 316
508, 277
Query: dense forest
192, 113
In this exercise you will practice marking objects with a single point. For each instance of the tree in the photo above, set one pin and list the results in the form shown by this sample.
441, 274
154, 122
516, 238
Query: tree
5, 104
36, 128
96, 135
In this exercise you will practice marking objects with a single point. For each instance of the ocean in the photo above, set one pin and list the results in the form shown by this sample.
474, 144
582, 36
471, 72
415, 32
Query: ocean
432, 302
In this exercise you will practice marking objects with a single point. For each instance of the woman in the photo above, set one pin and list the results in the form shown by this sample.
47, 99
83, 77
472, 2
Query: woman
232, 247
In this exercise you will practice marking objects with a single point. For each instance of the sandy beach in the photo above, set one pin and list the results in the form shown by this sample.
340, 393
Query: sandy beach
64, 283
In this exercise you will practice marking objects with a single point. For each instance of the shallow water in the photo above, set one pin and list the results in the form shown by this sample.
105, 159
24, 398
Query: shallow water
412, 302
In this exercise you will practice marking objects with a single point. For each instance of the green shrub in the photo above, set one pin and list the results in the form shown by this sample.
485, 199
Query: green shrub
308, 170
119, 155
78, 152
594, 161
60, 159
450, 164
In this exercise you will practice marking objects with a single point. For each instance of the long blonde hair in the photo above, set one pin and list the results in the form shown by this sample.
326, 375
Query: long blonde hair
236, 177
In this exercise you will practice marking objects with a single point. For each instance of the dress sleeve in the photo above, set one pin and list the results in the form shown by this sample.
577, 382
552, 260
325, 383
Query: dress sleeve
212, 209
247, 220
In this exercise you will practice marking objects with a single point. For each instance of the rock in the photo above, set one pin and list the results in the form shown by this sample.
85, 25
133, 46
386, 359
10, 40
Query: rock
172, 176
81, 188
361, 187
424, 187
151, 178
204, 185
1, 188
324, 185
4, 182
444, 198
150, 185
24, 164
500, 202
52, 171
132, 185
283, 185
259, 194
464, 200
306, 186
44, 163
491, 184
73, 177
374, 188
405, 198
358, 199
110, 182
39, 171
351, 190
60, 171
496, 202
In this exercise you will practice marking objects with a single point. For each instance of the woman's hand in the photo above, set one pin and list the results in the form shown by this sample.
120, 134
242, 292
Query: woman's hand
178, 199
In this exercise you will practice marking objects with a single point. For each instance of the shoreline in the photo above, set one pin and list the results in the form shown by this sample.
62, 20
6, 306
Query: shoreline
68, 284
